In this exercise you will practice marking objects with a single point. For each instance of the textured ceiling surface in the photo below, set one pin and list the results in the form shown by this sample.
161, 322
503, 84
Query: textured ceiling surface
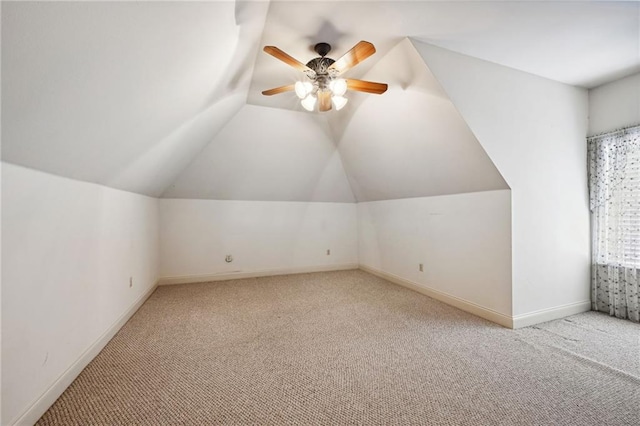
164, 97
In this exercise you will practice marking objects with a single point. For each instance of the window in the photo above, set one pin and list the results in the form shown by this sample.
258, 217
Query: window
619, 239
614, 191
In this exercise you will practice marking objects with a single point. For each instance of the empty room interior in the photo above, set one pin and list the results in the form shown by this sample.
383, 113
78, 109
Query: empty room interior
311, 212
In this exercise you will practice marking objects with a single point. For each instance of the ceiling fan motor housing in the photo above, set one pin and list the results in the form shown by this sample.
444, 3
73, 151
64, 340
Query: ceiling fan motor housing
321, 68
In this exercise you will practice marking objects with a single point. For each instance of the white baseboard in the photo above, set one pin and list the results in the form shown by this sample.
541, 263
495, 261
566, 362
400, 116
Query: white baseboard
544, 315
42, 404
236, 275
465, 305
517, 321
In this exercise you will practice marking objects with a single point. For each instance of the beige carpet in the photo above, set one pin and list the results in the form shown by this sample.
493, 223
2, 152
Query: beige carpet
349, 348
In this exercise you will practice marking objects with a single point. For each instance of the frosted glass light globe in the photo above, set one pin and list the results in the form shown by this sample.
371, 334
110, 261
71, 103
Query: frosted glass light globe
339, 102
303, 89
309, 102
338, 86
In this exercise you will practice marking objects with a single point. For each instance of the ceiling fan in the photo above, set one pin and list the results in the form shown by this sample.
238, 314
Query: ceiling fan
324, 84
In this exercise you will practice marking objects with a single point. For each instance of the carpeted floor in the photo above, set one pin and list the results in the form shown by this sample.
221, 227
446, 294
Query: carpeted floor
349, 348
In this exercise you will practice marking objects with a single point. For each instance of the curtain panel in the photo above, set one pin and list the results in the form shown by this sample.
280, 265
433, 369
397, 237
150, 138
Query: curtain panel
614, 201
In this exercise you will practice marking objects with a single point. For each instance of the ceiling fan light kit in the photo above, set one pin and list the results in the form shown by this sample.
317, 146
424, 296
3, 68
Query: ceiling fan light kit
303, 89
309, 103
324, 83
338, 86
339, 102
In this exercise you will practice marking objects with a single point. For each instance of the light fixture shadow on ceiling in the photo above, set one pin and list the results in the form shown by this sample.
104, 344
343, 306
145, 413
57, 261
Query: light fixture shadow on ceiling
327, 33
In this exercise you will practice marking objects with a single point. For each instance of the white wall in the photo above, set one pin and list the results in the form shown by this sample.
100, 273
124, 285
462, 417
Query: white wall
68, 250
463, 240
261, 235
615, 105
534, 130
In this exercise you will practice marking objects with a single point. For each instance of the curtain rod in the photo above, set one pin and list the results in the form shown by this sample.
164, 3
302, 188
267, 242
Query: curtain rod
613, 132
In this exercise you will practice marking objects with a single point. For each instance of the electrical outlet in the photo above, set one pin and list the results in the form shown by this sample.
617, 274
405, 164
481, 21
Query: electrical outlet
130, 282
421, 267
328, 252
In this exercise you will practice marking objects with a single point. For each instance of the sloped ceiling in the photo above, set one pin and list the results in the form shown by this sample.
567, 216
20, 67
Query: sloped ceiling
122, 94
152, 97
412, 142
267, 154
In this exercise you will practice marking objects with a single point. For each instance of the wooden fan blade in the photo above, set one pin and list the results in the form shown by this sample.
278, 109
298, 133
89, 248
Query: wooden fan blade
279, 54
357, 54
366, 86
280, 89
324, 101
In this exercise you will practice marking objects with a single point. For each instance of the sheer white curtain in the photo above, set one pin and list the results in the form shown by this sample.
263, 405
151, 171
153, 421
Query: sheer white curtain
614, 187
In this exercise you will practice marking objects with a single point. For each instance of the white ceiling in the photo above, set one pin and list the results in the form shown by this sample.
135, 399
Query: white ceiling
578, 43
151, 97
122, 94
418, 145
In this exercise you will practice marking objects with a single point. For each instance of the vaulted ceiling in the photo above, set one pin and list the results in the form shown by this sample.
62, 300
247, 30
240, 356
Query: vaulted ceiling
163, 98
